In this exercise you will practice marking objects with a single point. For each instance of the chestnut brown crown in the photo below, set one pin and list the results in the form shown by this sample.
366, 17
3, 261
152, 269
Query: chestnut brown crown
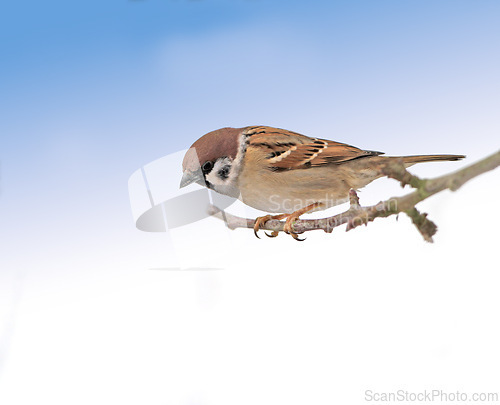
216, 144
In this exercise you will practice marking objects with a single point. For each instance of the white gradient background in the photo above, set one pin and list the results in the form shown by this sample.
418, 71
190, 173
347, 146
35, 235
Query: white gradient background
91, 92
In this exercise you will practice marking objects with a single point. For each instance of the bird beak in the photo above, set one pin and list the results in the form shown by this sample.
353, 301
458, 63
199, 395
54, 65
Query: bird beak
191, 177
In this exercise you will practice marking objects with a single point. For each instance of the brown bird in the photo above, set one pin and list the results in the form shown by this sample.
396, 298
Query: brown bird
280, 171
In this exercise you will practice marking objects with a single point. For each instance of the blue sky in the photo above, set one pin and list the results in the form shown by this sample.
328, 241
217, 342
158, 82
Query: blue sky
136, 64
98, 89
90, 91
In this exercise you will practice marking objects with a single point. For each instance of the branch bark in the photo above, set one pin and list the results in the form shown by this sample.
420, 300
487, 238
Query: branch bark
358, 215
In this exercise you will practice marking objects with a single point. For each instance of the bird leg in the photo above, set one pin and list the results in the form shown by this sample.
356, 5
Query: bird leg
290, 219
288, 227
262, 220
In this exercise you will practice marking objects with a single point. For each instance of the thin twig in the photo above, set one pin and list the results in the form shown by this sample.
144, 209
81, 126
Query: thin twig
358, 215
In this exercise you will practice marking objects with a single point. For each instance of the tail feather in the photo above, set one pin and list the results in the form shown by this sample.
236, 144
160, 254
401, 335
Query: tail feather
430, 158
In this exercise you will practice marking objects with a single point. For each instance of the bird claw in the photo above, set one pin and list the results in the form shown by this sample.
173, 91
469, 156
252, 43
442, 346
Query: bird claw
261, 221
273, 234
288, 228
296, 237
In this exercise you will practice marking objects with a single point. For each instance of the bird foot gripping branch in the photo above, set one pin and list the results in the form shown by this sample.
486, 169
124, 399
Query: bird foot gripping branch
288, 226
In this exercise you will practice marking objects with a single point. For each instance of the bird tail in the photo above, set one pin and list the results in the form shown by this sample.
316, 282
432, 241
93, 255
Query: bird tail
430, 158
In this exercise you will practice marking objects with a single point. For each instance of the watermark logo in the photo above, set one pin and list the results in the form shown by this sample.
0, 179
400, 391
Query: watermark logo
157, 202
434, 395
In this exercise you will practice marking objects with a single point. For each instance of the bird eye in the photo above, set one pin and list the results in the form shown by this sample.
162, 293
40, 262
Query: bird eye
207, 166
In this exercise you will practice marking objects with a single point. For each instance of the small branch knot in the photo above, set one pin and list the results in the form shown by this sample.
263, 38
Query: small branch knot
353, 199
396, 170
426, 227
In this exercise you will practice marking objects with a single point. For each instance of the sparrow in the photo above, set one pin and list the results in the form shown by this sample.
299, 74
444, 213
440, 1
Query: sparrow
284, 172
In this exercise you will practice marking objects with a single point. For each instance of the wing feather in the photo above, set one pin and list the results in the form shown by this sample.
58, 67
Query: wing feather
289, 150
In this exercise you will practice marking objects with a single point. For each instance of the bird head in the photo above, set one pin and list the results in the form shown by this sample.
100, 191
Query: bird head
214, 160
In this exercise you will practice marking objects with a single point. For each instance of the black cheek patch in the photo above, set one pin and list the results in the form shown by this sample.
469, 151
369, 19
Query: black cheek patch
224, 172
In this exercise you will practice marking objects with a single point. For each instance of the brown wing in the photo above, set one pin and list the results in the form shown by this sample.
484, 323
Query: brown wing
290, 150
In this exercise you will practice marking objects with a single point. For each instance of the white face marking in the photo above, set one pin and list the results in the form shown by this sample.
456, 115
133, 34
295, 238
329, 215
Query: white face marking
224, 175
221, 172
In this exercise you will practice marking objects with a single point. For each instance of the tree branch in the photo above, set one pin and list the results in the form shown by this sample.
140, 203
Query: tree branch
358, 215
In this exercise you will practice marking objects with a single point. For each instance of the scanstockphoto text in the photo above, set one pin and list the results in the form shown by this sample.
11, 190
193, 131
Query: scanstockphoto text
280, 204
180, 209
433, 395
